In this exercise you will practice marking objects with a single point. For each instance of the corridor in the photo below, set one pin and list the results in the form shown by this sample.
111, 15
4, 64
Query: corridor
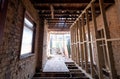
59, 67
59, 39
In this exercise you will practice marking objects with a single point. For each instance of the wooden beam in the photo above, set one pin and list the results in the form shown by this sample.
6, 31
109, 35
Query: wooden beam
61, 19
64, 6
73, 18
57, 17
38, 2
60, 2
59, 23
57, 29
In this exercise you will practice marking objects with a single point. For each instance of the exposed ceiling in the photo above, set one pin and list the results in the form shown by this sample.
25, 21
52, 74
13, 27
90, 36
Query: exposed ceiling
60, 14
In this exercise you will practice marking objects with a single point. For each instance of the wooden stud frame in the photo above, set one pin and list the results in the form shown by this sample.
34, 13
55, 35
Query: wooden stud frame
79, 42
108, 44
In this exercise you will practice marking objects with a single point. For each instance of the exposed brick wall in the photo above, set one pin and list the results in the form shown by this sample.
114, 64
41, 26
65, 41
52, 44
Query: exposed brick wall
11, 66
114, 28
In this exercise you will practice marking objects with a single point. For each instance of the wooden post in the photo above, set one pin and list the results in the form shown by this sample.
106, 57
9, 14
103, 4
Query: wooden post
108, 44
71, 35
85, 46
90, 47
97, 43
79, 34
74, 46
78, 53
81, 46
52, 11
82, 40
76, 42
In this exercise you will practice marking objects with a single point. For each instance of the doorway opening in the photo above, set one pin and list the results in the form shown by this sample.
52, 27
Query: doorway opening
59, 52
60, 44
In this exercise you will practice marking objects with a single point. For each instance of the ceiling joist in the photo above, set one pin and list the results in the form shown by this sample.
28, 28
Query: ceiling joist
60, 14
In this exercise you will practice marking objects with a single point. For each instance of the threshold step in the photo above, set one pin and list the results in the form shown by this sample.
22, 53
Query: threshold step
69, 62
50, 78
72, 67
75, 70
77, 74
79, 78
52, 75
59, 78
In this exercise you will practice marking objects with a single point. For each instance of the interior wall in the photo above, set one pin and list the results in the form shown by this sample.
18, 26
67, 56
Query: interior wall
45, 44
11, 66
114, 29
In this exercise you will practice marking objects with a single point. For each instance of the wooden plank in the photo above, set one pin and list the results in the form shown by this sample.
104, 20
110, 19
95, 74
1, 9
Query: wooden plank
97, 43
108, 44
90, 46
114, 39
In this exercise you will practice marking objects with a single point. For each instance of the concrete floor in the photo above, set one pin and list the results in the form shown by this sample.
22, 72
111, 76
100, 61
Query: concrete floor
56, 64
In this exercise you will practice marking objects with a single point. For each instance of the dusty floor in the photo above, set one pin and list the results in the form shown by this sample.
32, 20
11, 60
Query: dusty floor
56, 64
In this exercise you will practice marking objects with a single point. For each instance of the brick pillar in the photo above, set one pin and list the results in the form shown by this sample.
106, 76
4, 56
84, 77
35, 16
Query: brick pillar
40, 45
